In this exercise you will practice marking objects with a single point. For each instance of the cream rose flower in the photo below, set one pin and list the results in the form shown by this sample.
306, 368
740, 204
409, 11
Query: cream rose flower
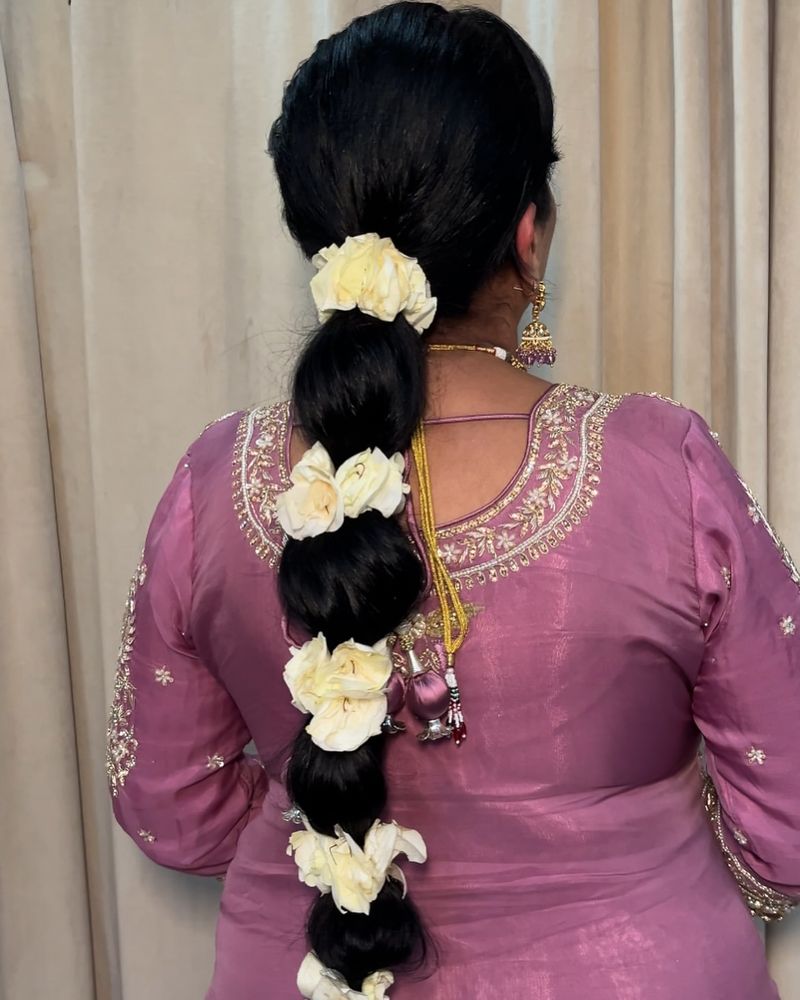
315, 982
371, 481
314, 503
343, 690
304, 670
354, 875
344, 724
352, 703
369, 273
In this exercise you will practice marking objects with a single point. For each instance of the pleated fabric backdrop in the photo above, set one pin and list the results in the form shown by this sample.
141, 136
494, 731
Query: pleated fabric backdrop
147, 286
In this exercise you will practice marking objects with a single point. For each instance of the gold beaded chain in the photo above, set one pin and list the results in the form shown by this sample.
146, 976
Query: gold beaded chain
498, 352
446, 592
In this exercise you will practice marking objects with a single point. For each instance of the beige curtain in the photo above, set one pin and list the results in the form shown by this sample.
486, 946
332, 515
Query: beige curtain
146, 286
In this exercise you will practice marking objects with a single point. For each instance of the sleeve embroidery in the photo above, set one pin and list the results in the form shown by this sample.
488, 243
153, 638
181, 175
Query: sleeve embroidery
762, 901
121, 743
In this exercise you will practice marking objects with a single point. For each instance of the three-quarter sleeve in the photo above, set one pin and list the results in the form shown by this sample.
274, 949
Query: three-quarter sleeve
181, 785
746, 696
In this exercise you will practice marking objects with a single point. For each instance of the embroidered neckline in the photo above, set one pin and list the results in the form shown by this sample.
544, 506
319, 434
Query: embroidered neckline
564, 444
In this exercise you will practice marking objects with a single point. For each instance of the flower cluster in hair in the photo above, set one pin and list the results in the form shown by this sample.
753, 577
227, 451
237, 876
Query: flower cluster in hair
403, 168
333, 510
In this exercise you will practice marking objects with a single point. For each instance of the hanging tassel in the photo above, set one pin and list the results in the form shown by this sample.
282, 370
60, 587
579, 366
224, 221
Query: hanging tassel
455, 714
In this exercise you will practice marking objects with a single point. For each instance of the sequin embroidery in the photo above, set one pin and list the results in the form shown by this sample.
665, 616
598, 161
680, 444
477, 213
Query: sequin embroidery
565, 455
726, 576
762, 900
756, 756
164, 676
146, 835
121, 743
215, 761
787, 625
259, 475
756, 514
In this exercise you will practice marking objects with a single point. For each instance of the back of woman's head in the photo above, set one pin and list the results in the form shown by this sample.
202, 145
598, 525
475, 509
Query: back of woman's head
434, 128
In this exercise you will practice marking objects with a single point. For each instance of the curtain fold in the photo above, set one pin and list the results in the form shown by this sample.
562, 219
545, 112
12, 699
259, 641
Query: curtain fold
43, 887
147, 285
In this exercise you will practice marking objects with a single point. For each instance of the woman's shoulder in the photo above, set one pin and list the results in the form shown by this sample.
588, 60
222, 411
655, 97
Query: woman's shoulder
239, 465
647, 420
262, 426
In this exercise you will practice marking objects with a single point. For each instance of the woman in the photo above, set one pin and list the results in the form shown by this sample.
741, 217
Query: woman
576, 589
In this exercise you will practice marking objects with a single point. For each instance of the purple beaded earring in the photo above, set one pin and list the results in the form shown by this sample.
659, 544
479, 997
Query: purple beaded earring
536, 345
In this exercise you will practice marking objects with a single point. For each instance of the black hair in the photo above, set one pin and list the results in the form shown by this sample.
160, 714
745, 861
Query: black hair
433, 127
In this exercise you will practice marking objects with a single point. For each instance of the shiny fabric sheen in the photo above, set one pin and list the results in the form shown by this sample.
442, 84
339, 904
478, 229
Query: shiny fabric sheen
569, 852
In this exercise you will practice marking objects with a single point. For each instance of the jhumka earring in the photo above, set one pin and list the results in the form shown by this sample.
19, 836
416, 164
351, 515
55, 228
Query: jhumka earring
536, 345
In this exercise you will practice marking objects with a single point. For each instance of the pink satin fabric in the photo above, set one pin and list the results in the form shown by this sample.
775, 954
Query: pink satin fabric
570, 855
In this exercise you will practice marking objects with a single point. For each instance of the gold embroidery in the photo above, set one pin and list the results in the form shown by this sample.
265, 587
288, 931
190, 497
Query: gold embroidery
739, 837
163, 676
762, 900
474, 549
787, 625
121, 743
477, 551
658, 395
419, 626
259, 475
756, 514
214, 761
756, 756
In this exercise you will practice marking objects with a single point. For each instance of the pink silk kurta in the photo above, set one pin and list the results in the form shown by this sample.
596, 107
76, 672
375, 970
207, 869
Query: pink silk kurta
627, 596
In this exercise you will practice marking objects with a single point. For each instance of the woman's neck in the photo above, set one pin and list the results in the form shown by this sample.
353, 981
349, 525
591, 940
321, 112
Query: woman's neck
492, 320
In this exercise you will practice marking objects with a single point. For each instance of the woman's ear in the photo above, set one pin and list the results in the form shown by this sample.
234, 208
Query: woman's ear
525, 241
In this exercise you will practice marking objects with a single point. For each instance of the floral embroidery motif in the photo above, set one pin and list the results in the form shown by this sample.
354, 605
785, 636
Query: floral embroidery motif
762, 900
215, 761
726, 576
565, 456
756, 514
739, 837
146, 835
259, 475
787, 625
121, 743
756, 756
164, 676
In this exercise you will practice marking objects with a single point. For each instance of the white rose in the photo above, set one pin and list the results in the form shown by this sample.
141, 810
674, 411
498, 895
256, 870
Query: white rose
311, 852
370, 273
343, 724
354, 875
304, 670
384, 841
342, 274
349, 689
314, 503
371, 481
